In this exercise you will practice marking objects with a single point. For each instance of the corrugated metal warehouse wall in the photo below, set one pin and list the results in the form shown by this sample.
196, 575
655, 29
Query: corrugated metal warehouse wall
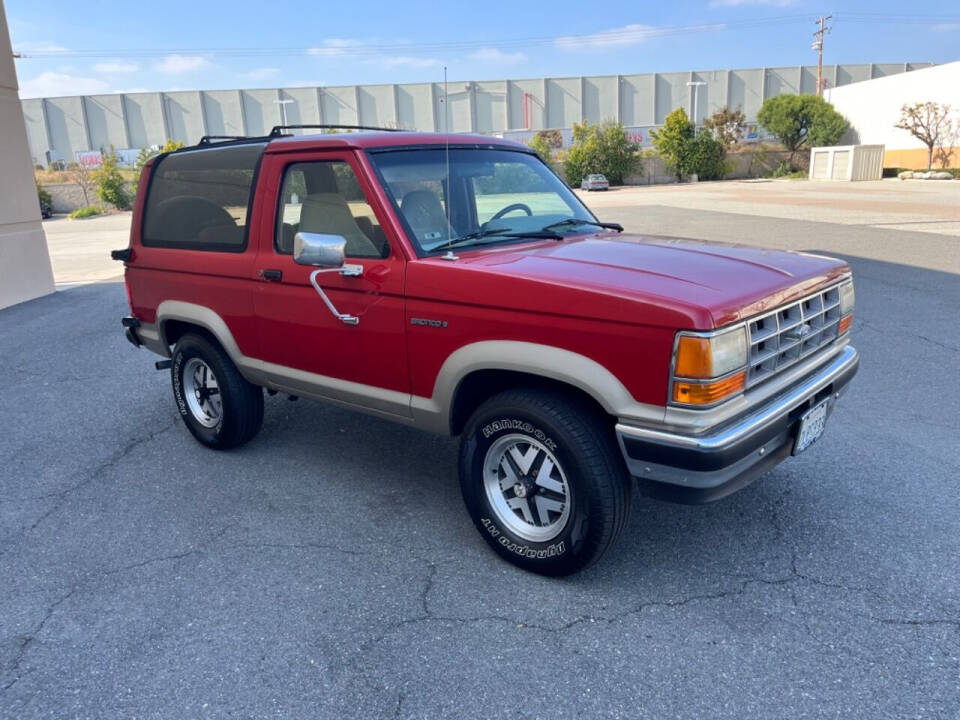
58, 128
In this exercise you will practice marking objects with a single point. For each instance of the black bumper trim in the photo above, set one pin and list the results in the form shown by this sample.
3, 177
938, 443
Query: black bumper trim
705, 460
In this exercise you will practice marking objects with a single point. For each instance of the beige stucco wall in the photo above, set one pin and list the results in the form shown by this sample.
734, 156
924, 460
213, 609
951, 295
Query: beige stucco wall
24, 262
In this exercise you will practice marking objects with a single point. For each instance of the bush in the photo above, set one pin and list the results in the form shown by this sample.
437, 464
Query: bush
604, 148
111, 186
43, 195
801, 121
545, 143
687, 153
85, 212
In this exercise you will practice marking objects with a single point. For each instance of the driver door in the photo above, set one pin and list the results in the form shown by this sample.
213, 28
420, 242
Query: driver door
305, 347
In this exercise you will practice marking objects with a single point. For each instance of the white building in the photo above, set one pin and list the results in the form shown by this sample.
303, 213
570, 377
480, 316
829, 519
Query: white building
873, 108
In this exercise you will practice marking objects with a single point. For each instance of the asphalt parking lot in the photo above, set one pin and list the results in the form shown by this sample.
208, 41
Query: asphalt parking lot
328, 569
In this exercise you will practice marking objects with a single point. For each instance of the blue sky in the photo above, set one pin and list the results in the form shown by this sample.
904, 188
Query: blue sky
178, 45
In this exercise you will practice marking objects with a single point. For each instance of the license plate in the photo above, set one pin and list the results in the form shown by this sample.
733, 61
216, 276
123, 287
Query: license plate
811, 426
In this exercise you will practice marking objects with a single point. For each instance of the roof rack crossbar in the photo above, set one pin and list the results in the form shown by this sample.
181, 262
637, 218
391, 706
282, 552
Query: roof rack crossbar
277, 130
208, 139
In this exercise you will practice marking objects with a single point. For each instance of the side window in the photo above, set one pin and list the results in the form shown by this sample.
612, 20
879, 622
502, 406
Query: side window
200, 200
325, 197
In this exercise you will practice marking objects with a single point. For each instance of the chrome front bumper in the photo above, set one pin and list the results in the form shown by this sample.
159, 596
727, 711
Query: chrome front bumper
709, 465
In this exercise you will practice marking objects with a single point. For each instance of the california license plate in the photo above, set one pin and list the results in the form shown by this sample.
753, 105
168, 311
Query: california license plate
811, 426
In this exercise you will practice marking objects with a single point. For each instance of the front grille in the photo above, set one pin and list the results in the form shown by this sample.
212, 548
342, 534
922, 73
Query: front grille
792, 332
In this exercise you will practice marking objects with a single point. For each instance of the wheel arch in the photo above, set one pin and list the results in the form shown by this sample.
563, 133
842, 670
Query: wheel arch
479, 370
175, 318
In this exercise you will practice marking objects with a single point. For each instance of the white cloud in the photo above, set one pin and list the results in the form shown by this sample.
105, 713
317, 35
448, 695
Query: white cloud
617, 37
406, 61
946, 27
116, 67
262, 73
334, 46
737, 3
174, 64
39, 47
497, 57
55, 84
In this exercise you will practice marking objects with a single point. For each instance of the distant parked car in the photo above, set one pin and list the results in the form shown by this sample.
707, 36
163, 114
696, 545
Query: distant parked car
596, 181
46, 209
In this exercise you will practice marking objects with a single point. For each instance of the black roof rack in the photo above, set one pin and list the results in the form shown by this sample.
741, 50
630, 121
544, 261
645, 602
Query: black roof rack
210, 139
277, 130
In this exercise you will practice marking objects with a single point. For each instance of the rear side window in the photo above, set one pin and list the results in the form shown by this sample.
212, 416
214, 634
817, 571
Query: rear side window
200, 200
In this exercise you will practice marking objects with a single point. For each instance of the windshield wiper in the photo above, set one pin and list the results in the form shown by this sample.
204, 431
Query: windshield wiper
471, 238
578, 221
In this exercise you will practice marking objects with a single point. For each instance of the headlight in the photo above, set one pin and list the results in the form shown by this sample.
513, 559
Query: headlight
847, 301
846, 298
709, 367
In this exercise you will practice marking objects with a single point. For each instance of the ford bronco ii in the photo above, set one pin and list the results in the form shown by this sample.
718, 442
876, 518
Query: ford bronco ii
456, 284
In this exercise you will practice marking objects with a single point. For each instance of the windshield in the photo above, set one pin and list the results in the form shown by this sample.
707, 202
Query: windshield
494, 196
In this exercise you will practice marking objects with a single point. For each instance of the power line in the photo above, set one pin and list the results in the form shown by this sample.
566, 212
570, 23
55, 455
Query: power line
622, 36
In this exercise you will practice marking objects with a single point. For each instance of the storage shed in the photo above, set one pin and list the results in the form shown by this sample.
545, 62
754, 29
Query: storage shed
846, 162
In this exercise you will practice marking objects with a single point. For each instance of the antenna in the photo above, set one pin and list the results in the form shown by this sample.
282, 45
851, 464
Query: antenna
446, 149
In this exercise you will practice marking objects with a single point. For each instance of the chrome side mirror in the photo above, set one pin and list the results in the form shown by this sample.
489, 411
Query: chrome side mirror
329, 251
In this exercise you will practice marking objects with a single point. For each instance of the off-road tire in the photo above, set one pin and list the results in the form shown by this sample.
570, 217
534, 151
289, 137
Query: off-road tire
581, 439
241, 414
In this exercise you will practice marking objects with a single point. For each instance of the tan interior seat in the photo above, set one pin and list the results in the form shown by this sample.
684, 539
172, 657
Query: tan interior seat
424, 212
329, 214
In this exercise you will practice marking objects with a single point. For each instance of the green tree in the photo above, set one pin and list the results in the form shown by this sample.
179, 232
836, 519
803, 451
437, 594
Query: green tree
673, 142
801, 121
687, 152
545, 143
111, 187
605, 148
143, 157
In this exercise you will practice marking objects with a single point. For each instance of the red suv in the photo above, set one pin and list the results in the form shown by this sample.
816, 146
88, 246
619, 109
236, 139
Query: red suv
456, 284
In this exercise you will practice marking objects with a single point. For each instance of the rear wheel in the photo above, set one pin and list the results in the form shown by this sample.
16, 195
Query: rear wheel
219, 407
543, 480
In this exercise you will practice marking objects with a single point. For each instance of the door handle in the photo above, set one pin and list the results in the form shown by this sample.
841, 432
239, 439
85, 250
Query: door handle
271, 274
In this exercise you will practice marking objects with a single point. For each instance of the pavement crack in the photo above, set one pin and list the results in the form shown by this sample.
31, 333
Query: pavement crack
86, 478
29, 639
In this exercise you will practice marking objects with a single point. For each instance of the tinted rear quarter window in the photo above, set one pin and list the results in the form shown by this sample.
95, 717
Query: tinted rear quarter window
199, 200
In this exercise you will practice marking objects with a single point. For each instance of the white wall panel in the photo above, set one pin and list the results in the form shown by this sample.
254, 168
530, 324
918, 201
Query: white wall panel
490, 102
600, 98
415, 103
339, 105
377, 107
564, 106
145, 119
223, 112
105, 121
184, 115
636, 100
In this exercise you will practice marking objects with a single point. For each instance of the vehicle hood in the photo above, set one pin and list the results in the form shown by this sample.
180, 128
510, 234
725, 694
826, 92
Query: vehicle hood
727, 281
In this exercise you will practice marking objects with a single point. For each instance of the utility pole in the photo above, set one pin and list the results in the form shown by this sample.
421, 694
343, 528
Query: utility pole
818, 46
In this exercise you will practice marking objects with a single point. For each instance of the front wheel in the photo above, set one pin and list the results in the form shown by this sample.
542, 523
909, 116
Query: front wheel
543, 480
221, 409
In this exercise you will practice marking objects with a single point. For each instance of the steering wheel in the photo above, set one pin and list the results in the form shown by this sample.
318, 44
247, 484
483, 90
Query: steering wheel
510, 208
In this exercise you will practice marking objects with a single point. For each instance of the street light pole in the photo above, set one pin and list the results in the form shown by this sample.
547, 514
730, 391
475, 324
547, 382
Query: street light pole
283, 109
696, 85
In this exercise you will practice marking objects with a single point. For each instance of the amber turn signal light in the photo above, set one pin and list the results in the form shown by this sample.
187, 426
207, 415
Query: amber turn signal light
845, 322
693, 357
708, 393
